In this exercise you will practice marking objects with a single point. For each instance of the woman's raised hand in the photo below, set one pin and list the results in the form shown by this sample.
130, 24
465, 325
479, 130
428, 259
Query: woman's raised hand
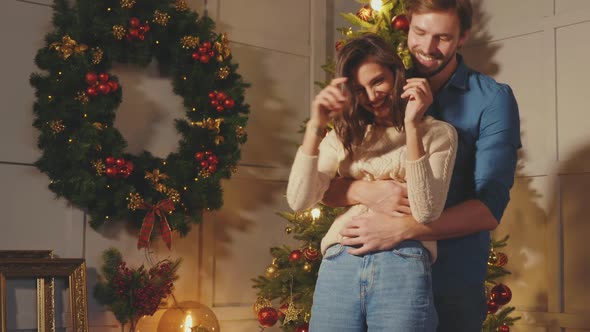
419, 95
328, 102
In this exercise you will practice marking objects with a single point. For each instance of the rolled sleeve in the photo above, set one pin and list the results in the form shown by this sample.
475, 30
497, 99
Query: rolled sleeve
496, 154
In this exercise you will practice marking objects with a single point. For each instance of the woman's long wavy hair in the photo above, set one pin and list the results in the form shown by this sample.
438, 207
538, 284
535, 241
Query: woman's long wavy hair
351, 126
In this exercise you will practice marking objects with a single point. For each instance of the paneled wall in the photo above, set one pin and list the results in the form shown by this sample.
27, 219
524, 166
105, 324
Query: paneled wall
539, 47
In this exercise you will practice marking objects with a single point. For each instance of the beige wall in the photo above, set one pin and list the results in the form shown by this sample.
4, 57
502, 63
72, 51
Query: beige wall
539, 47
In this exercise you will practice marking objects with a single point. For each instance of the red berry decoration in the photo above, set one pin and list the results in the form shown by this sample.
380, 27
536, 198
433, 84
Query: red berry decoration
504, 328
111, 172
204, 58
199, 156
302, 328
219, 108
113, 85
400, 23
110, 161
91, 78
104, 88
501, 294
103, 77
120, 162
221, 96
228, 103
91, 91
268, 316
134, 33
134, 22
295, 255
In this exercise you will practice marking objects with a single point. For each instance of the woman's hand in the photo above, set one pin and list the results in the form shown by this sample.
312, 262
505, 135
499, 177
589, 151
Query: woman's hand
419, 95
327, 103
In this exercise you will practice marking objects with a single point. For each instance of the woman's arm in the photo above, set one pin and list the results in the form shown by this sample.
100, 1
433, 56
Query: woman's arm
316, 160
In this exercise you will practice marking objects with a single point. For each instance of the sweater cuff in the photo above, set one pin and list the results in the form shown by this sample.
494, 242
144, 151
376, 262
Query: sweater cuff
418, 169
304, 163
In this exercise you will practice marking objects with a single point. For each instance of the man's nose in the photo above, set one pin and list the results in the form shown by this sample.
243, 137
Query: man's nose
430, 44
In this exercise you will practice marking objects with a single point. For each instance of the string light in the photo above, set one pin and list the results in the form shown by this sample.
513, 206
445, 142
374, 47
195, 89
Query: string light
315, 213
376, 4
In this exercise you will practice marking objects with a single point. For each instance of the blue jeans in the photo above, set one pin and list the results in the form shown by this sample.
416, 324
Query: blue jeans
384, 291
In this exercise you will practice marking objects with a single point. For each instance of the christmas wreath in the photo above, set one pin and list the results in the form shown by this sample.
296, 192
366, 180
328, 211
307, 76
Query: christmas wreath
77, 97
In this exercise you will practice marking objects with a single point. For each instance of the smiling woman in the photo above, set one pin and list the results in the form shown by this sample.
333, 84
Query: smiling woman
77, 97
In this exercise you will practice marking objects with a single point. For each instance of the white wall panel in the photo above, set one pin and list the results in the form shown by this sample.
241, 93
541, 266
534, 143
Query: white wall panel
23, 27
513, 61
500, 19
281, 25
279, 102
572, 96
565, 6
33, 218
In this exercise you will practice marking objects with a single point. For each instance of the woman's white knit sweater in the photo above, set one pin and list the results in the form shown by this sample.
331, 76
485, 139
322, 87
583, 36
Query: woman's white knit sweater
381, 156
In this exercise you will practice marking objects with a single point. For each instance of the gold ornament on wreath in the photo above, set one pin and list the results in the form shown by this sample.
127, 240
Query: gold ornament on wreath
75, 86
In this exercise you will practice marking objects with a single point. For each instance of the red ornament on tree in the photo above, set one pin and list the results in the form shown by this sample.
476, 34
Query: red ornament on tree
311, 254
504, 328
295, 255
282, 310
501, 294
400, 23
502, 259
268, 316
365, 13
492, 307
302, 328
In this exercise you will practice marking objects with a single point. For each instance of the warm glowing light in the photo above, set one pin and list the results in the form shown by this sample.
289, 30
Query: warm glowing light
315, 213
188, 323
376, 4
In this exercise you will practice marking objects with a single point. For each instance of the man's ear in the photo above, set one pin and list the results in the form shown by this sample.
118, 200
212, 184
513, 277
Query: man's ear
463, 38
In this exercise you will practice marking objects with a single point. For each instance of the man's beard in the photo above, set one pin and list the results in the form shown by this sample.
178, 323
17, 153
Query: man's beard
437, 70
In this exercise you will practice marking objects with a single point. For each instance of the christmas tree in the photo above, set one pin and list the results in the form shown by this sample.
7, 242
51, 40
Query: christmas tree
289, 281
497, 293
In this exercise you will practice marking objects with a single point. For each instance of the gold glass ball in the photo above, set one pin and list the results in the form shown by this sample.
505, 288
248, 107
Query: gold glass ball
189, 316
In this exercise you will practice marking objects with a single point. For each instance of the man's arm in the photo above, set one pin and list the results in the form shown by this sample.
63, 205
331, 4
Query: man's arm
375, 232
384, 196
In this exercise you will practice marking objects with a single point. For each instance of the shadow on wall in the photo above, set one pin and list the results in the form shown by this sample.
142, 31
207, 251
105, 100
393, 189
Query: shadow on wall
525, 220
479, 52
571, 210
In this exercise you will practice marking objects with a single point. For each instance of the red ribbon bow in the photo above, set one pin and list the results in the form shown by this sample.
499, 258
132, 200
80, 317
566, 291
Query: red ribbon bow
160, 209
